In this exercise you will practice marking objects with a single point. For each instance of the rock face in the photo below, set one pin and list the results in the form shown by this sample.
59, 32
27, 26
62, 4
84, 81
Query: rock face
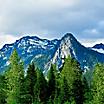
44, 52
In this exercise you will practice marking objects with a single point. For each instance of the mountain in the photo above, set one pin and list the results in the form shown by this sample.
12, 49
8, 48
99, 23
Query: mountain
29, 48
85, 56
32, 48
99, 48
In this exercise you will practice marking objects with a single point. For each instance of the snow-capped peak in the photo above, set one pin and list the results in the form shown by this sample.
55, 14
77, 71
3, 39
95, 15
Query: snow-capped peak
32, 48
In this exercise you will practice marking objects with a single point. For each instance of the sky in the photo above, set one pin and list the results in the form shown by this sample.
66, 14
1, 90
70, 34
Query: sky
52, 19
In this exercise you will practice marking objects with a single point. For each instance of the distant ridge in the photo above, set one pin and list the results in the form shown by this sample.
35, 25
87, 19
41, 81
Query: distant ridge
32, 48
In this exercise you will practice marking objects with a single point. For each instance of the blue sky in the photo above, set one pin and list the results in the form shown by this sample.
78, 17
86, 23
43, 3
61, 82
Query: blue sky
52, 19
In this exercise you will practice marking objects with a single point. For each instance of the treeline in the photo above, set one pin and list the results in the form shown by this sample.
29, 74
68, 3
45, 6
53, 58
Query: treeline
65, 86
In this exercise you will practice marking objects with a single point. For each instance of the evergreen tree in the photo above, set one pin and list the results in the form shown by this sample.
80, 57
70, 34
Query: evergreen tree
30, 81
54, 84
15, 78
72, 73
98, 84
51, 82
78, 91
2, 89
64, 93
40, 89
87, 91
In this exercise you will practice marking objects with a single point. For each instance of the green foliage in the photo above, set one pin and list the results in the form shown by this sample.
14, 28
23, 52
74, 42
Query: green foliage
2, 89
51, 82
70, 86
98, 84
40, 89
87, 91
54, 85
64, 93
72, 73
88, 76
30, 81
15, 78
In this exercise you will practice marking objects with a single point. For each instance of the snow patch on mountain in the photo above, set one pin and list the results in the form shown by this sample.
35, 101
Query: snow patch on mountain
98, 50
45, 52
40, 55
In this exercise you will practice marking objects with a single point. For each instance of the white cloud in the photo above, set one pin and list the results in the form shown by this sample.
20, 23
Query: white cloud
7, 39
52, 18
19, 16
93, 32
91, 42
96, 32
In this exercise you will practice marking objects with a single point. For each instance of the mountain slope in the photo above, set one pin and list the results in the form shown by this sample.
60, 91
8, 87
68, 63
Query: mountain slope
99, 48
85, 56
46, 52
28, 48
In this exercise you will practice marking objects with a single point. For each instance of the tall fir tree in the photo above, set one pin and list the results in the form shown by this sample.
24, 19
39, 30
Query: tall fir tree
30, 81
98, 84
54, 84
64, 92
86, 91
72, 72
15, 78
51, 82
2, 89
40, 88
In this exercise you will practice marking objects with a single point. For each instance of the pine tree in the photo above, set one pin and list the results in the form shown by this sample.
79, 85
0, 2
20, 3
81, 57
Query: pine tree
54, 85
51, 82
30, 81
40, 88
86, 91
15, 78
64, 93
72, 72
2, 89
98, 84
57, 87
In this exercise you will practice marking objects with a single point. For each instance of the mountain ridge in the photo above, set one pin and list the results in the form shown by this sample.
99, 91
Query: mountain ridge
46, 52
99, 48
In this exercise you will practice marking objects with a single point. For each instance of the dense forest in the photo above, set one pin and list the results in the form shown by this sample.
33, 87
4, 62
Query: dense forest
69, 85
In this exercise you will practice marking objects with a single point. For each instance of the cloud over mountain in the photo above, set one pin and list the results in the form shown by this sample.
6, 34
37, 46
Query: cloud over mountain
52, 17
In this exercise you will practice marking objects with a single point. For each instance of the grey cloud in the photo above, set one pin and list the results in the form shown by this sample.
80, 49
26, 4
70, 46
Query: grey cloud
51, 18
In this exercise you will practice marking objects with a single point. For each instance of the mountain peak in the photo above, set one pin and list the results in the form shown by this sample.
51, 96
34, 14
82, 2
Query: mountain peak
99, 46
68, 35
44, 51
31, 37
